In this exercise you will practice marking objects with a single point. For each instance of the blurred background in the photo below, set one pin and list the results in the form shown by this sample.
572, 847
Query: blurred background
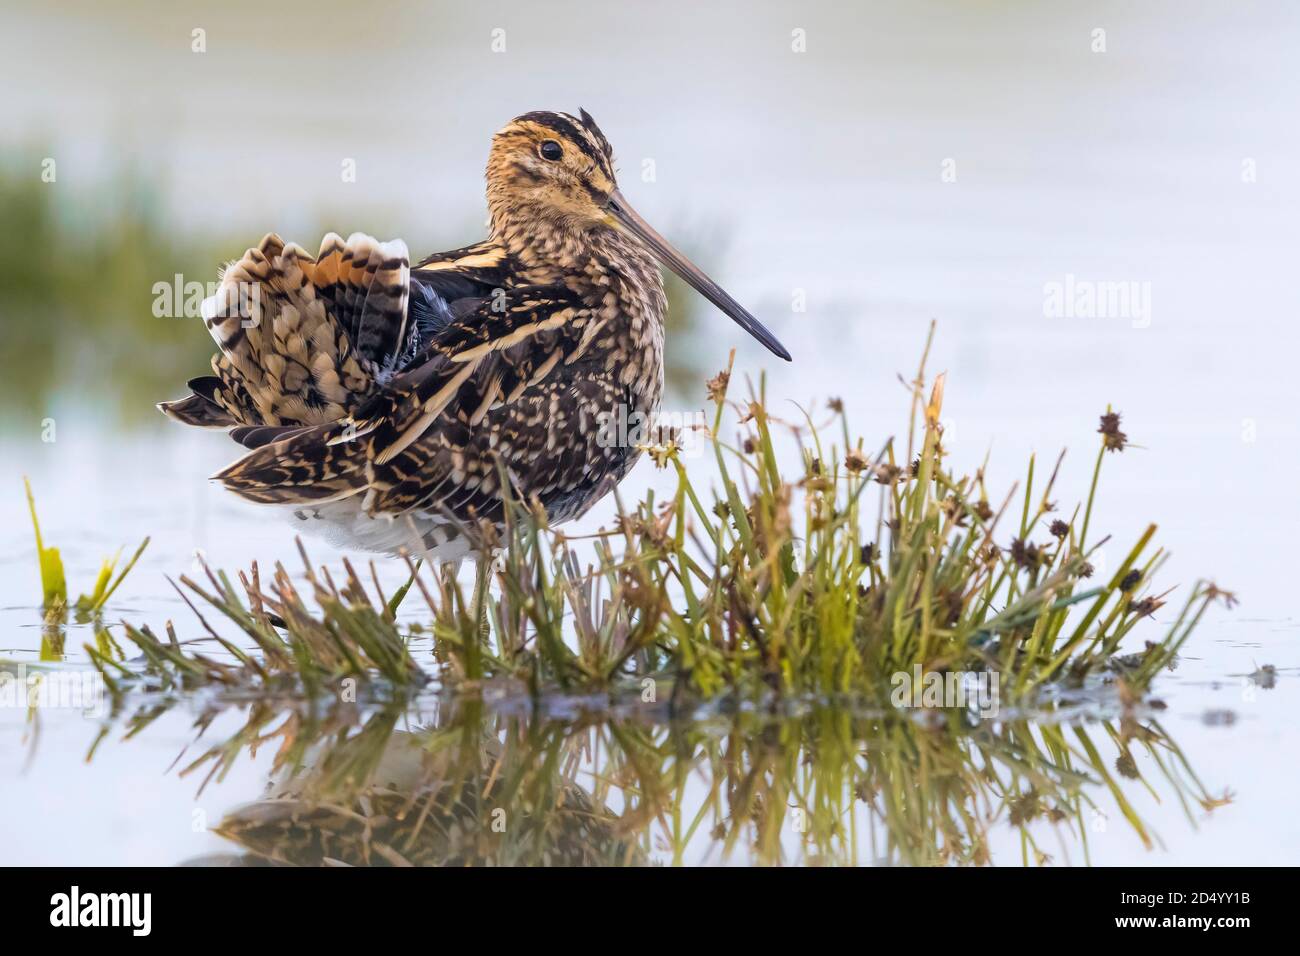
850, 172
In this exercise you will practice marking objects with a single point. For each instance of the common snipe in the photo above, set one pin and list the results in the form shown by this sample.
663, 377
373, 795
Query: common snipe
384, 404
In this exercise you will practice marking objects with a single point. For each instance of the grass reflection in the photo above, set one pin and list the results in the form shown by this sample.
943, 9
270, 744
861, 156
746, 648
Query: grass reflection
462, 783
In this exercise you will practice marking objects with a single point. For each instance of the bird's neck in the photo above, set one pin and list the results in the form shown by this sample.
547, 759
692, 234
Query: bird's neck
545, 248
617, 277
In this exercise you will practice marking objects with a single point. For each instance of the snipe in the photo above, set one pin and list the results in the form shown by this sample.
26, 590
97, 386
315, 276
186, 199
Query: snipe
386, 405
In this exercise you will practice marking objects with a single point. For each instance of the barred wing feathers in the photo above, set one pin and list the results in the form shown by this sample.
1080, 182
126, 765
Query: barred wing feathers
436, 436
301, 339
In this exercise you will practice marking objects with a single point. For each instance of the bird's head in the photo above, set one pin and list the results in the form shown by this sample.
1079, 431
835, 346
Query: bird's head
551, 166
556, 171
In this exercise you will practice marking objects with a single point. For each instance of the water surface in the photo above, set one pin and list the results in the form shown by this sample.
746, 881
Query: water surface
813, 179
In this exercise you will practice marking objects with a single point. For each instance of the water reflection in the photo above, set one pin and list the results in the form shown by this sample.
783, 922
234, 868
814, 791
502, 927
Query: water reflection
464, 784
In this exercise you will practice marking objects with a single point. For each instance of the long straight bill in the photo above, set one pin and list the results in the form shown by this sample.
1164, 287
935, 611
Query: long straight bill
627, 217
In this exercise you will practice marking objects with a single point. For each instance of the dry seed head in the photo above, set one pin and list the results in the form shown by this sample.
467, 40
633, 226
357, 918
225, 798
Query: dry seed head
1147, 606
717, 386
661, 453
1112, 439
1026, 555
955, 510
1213, 803
887, 474
1024, 808
1214, 592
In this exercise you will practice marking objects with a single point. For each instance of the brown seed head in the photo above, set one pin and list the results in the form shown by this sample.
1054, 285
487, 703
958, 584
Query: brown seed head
717, 386
1147, 606
1112, 439
887, 474
1026, 555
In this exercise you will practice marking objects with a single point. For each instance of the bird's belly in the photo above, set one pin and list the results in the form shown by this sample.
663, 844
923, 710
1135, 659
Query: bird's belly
344, 524
588, 469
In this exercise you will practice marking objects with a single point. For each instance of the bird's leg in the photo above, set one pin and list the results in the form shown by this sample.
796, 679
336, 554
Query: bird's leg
482, 579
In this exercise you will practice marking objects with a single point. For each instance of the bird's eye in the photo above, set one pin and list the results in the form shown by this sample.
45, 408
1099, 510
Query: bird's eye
550, 150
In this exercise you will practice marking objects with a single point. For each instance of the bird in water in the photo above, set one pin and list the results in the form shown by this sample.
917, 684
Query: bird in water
393, 408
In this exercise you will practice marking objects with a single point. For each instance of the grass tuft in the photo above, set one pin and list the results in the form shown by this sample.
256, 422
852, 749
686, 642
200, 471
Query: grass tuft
831, 581
54, 589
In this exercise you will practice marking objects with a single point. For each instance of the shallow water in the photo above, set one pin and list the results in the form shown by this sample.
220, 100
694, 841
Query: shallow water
131, 803
1125, 167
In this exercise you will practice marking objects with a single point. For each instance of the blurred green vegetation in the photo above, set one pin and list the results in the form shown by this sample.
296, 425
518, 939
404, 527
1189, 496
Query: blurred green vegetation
77, 297
688, 359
